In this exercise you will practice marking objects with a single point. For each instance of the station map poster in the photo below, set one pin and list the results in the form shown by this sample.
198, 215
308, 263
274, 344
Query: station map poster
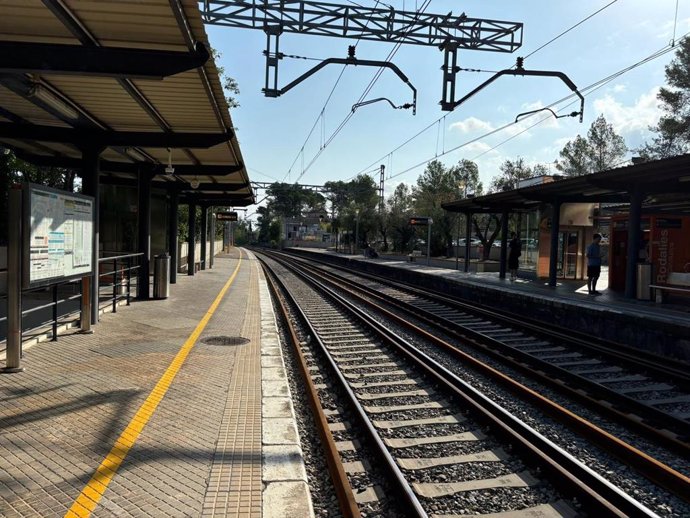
58, 235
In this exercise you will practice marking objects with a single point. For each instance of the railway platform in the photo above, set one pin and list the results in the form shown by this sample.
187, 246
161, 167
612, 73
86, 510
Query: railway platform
662, 329
176, 407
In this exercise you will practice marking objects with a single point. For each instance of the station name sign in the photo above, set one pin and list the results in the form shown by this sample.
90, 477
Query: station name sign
226, 216
421, 221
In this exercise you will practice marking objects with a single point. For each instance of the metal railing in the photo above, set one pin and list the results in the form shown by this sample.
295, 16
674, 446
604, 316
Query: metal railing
116, 283
117, 276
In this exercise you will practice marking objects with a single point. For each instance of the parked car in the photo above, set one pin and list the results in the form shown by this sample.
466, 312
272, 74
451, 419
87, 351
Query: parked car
473, 242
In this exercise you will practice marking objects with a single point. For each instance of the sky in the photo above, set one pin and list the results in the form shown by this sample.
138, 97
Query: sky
273, 131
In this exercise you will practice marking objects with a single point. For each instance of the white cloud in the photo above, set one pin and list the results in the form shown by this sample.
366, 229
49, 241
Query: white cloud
476, 148
633, 119
471, 124
619, 88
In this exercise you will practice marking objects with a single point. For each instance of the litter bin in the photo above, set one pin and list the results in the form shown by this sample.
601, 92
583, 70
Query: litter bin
644, 280
161, 276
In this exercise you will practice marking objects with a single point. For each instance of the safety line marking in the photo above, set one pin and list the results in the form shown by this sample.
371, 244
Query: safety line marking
92, 493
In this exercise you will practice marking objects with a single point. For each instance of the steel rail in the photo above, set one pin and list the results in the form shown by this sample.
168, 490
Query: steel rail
343, 489
572, 476
656, 471
634, 357
638, 415
409, 499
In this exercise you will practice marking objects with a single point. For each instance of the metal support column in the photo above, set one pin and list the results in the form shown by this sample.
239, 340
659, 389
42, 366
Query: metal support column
91, 186
191, 238
204, 235
553, 251
504, 244
450, 70
468, 240
14, 284
634, 239
144, 240
212, 215
172, 236
273, 56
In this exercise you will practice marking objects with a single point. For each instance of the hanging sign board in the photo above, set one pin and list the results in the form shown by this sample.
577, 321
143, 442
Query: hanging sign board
421, 221
57, 235
226, 216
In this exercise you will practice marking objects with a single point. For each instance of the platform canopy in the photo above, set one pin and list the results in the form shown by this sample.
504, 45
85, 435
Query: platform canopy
133, 81
664, 185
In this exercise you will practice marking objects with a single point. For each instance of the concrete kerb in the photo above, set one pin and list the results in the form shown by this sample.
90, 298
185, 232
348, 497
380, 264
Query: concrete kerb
284, 476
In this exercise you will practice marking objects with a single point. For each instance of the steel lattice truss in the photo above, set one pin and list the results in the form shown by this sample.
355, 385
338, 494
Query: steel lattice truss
447, 32
366, 23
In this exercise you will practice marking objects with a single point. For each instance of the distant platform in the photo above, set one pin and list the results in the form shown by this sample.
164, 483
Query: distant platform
662, 329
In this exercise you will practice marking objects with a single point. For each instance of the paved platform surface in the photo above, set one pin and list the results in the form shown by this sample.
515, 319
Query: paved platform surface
142, 418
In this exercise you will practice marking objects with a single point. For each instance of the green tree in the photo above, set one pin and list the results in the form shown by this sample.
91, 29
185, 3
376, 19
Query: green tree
230, 85
511, 174
438, 185
291, 200
399, 210
353, 201
602, 149
673, 129
608, 148
575, 157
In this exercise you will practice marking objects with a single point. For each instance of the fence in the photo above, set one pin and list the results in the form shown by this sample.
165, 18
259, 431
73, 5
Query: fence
46, 309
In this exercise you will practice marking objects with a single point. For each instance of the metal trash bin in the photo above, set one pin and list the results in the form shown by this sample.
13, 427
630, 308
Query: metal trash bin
644, 280
161, 276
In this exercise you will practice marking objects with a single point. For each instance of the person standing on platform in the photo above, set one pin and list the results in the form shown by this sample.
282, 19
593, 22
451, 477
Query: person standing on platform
513, 256
593, 264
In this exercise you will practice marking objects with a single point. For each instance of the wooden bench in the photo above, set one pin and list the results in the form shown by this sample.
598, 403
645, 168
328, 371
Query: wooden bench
679, 283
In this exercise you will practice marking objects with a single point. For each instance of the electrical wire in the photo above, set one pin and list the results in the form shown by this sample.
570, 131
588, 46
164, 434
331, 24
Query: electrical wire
371, 84
570, 29
425, 129
328, 99
588, 90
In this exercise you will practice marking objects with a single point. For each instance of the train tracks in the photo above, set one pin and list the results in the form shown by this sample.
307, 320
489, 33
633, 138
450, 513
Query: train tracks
444, 448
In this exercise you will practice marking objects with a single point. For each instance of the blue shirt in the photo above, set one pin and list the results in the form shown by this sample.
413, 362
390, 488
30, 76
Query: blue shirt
593, 255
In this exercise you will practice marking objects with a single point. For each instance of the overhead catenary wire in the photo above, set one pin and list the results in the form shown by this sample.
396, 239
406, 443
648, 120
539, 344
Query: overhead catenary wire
430, 125
323, 109
588, 90
371, 84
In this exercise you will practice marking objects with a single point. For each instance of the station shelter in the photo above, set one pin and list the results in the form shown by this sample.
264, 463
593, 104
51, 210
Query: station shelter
645, 201
136, 109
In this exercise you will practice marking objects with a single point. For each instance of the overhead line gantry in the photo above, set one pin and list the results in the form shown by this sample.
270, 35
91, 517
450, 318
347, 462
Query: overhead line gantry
447, 32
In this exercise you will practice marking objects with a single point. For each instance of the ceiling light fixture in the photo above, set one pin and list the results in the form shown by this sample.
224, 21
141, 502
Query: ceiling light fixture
194, 182
44, 95
169, 169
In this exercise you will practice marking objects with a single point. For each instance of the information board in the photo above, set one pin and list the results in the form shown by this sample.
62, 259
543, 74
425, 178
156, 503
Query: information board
57, 234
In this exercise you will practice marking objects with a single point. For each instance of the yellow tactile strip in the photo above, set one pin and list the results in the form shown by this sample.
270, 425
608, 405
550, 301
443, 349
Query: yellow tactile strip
235, 481
87, 501
60, 417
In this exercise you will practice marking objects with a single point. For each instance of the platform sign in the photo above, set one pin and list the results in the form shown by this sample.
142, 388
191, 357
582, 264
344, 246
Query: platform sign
226, 216
57, 235
420, 221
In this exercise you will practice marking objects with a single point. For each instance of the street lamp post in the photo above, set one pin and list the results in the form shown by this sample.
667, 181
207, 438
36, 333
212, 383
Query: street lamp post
356, 229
